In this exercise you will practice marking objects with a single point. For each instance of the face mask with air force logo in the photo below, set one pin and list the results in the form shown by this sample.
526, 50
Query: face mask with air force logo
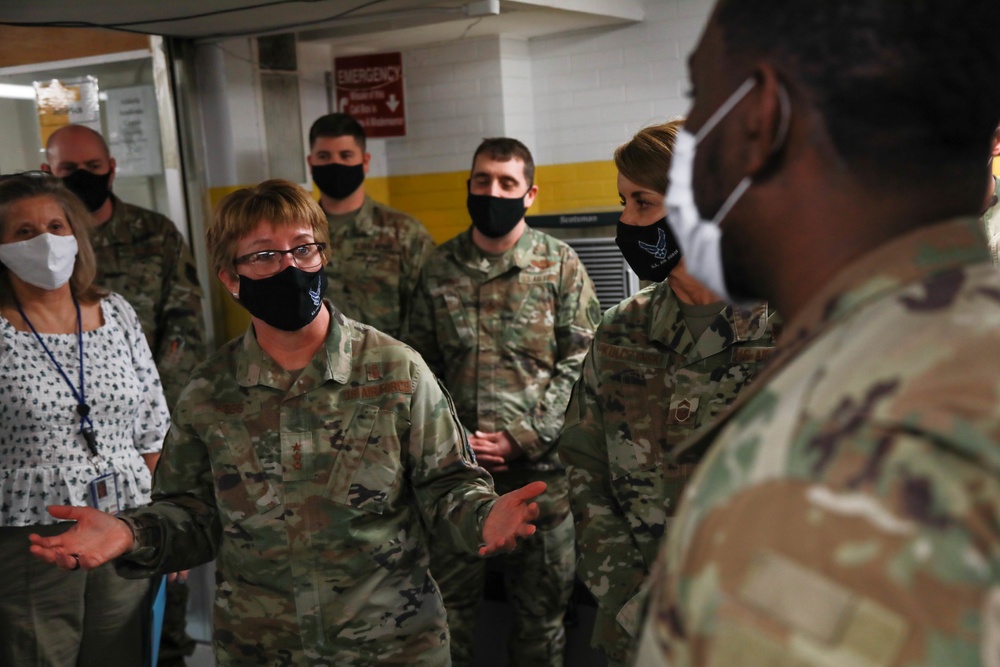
288, 300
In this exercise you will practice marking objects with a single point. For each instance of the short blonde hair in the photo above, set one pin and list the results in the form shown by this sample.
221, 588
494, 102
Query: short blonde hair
645, 158
16, 187
278, 202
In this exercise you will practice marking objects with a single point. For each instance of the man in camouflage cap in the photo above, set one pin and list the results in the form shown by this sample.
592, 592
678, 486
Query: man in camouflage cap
375, 251
504, 315
142, 256
846, 511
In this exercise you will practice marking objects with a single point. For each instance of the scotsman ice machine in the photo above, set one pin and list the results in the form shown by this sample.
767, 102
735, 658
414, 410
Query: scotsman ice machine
592, 236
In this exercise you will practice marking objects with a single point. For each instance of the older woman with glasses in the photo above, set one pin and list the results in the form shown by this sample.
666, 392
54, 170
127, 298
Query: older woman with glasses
82, 417
312, 457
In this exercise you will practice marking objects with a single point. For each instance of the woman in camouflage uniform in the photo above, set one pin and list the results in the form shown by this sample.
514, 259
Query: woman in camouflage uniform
662, 365
311, 457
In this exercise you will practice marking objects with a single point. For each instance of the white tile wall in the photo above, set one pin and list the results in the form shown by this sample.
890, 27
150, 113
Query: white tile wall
570, 98
454, 97
593, 90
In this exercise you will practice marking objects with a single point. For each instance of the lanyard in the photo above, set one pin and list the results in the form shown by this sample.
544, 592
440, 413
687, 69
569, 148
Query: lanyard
82, 409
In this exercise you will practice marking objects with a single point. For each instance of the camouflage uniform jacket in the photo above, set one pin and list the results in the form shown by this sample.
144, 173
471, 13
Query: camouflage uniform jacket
141, 255
508, 336
316, 494
375, 260
646, 385
848, 509
991, 222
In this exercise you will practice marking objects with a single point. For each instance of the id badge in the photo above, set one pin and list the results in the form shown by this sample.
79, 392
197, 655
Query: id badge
104, 493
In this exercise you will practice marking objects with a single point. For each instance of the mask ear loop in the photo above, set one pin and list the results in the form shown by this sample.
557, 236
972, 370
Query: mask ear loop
785, 105
726, 107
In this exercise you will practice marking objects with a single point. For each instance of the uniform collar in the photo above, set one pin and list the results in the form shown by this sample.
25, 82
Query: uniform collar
926, 251
331, 362
117, 225
933, 250
733, 325
363, 222
521, 255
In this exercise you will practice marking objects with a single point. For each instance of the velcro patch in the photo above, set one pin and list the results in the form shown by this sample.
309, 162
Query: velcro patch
375, 390
682, 410
857, 628
652, 359
376, 246
532, 278
800, 598
743, 355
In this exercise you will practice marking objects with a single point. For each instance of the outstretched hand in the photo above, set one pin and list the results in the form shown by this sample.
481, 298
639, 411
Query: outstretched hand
510, 518
96, 538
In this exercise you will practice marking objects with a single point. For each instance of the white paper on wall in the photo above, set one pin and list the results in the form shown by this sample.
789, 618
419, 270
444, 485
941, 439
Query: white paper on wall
134, 131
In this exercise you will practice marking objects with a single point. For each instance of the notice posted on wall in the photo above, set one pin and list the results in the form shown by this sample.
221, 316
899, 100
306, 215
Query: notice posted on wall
370, 88
134, 131
61, 102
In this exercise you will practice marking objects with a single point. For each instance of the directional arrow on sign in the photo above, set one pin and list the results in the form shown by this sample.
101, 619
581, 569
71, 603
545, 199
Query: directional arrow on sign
392, 103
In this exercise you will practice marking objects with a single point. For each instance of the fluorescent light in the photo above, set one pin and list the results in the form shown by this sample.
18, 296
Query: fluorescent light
14, 92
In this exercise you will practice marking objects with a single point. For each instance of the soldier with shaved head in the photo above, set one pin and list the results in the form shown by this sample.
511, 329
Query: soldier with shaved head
140, 255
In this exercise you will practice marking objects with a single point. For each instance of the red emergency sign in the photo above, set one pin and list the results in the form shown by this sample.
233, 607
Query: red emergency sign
370, 88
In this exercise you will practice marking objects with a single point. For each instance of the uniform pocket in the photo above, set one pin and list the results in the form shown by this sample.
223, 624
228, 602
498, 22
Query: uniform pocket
136, 266
242, 486
531, 330
366, 470
646, 427
372, 274
457, 332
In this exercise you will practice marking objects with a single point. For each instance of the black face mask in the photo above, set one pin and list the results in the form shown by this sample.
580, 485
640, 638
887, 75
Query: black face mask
91, 188
288, 300
494, 217
651, 251
338, 181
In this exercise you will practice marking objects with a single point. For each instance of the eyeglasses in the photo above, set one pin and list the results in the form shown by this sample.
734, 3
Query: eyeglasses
265, 263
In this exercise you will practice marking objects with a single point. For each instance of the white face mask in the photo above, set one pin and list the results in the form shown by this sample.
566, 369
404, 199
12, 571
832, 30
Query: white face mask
45, 261
701, 240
